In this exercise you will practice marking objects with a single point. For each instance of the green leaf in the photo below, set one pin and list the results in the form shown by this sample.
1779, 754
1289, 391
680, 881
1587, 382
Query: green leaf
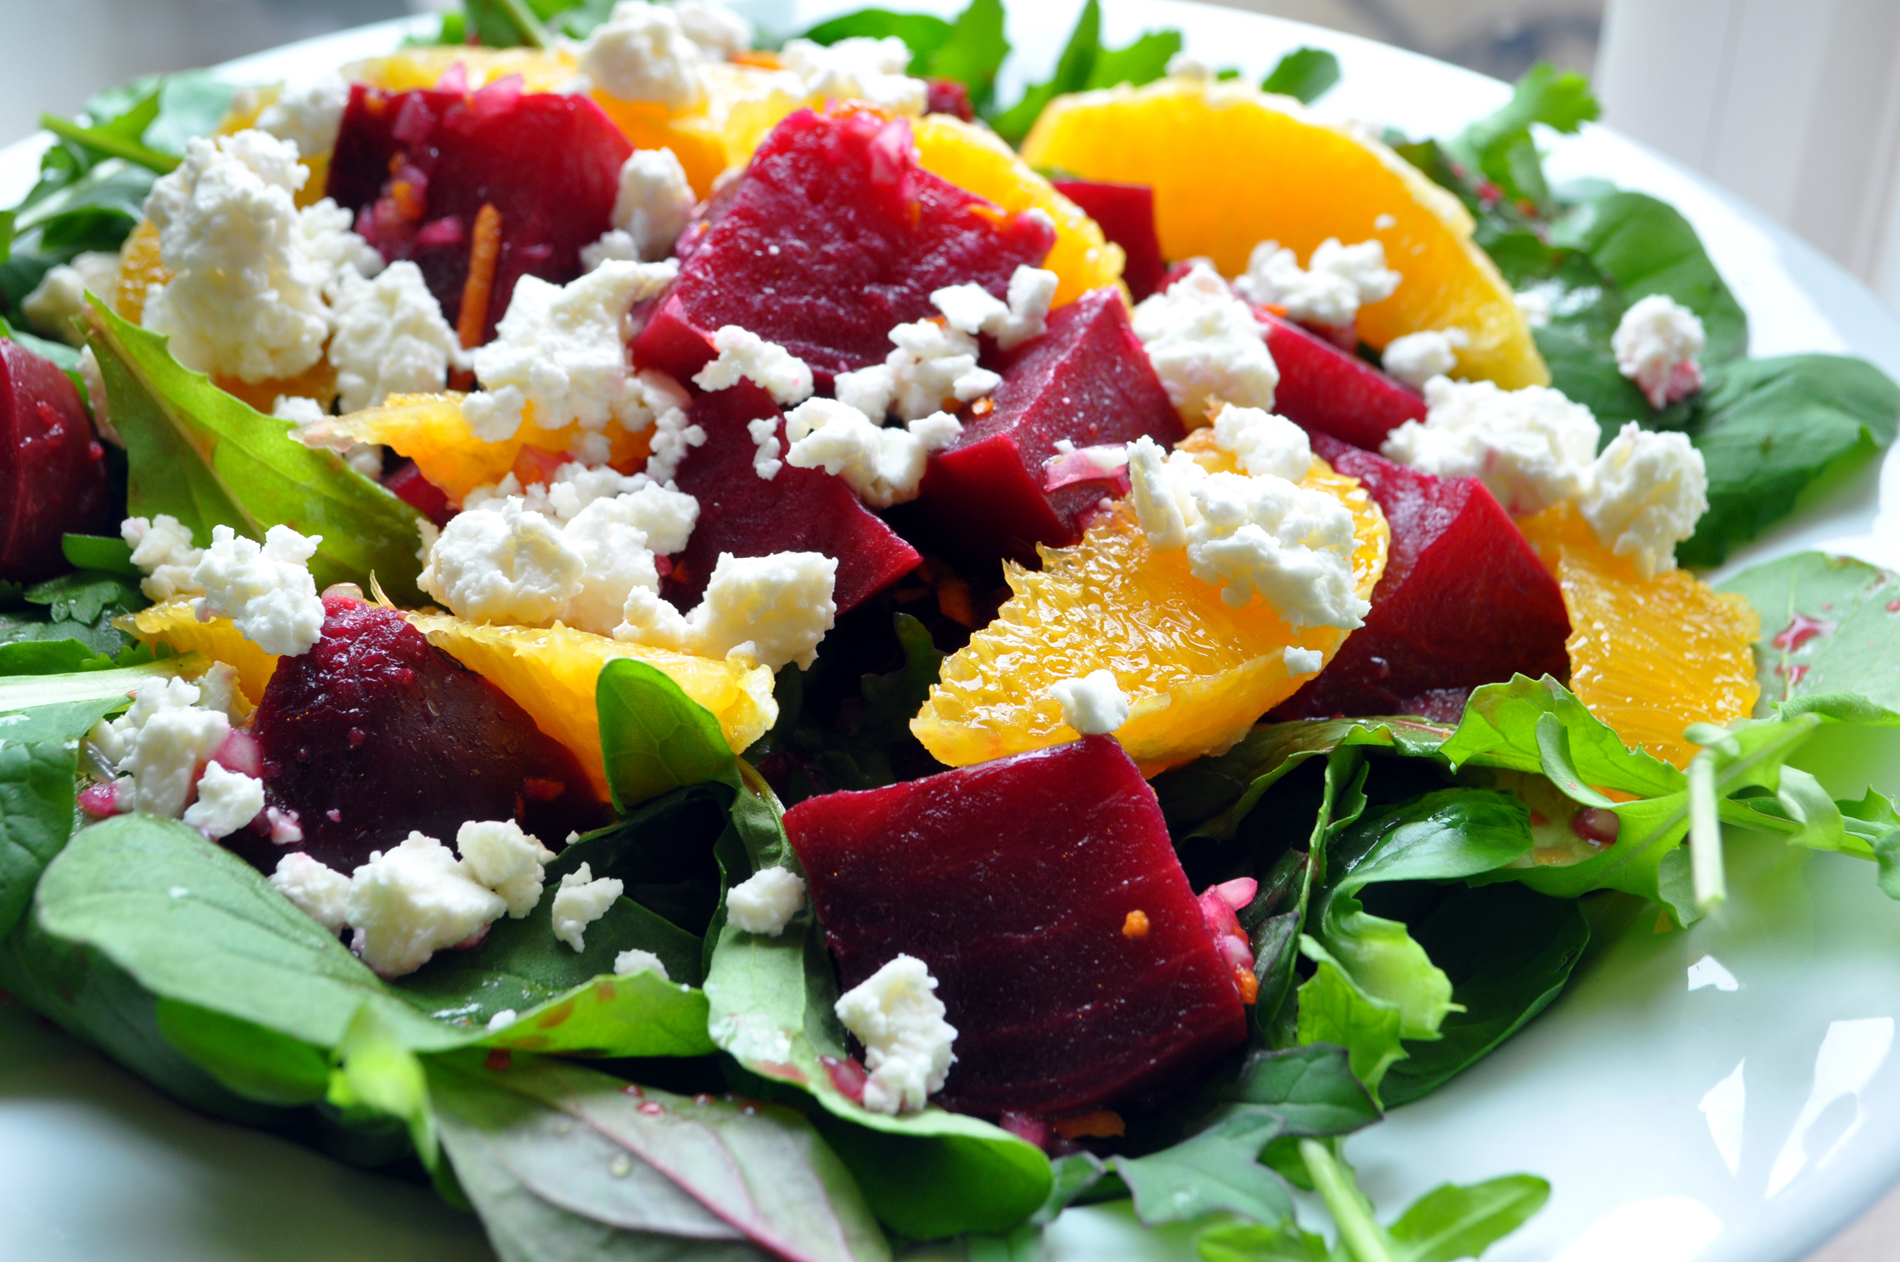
1306, 74
1334, 1010
209, 459
1251, 1242
1216, 1171
36, 817
1141, 62
191, 103
1500, 144
971, 52
1461, 1221
99, 552
506, 24
87, 596
653, 737
376, 1072
921, 33
1071, 75
47, 657
641, 1015
1500, 729
253, 1062
64, 707
110, 143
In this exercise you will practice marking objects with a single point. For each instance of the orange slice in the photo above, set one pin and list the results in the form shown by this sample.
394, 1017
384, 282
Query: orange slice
1647, 656
541, 70
173, 623
1197, 671
1232, 166
551, 674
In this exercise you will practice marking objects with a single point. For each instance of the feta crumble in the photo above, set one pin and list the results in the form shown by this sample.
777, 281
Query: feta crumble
1336, 282
1303, 661
1645, 493
160, 744
774, 609
933, 369
1262, 443
897, 1016
1532, 447
858, 68
651, 210
502, 1020
1205, 345
309, 116
717, 29
1534, 306
506, 860
764, 434
674, 437
744, 355
60, 296
640, 53
766, 901
1182, 66
1093, 705
412, 900
390, 338
1418, 357
882, 465
266, 590
580, 901
321, 893
972, 309
162, 548
634, 960
1657, 343
227, 801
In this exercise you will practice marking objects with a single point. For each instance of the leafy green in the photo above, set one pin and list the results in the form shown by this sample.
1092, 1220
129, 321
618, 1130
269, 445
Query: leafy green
641, 1015
1332, 1009
1085, 64
653, 737
377, 1074
1500, 144
64, 707
254, 1062
1143, 61
108, 554
506, 24
921, 33
971, 51
36, 817
1306, 74
1828, 625
48, 657
78, 607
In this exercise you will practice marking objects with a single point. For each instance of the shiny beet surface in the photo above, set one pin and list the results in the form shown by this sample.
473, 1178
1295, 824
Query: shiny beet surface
52, 469
1126, 213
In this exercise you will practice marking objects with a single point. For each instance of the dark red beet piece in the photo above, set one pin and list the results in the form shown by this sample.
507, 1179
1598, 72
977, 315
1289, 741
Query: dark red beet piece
52, 469
374, 732
799, 510
408, 484
1087, 380
1013, 881
416, 167
1464, 601
949, 96
832, 237
1126, 213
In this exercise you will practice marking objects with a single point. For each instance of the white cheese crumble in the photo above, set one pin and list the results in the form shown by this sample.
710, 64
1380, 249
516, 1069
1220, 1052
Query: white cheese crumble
412, 900
1263, 443
390, 338
640, 53
1644, 495
651, 210
266, 590
1093, 705
1657, 344
1336, 282
774, 609
1182, 66
972, 309
1416, 358
1534, 306
1205, 346
61, 294
716, 28
1532, 447
858, 68
766, 901
898, 1018
319, 892
506, 860
161, 743
634, 960
1303, 661
227, 801
502, 1020
580, 901
933, 369
764, 434
882, 465
162, 548
308, 116
673, 438
745, 356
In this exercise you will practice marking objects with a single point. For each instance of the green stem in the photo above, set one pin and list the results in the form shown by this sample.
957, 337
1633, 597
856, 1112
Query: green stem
1363, 1238
1705, 833
113, 146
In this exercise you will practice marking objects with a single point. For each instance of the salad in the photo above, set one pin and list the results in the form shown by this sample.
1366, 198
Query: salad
724, 645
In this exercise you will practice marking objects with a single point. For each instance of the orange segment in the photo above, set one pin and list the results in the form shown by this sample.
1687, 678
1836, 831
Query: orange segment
1232, 166
173, 623
742, 104
541, 70
140, 267
551, 674
1197, 671
1647, 656
976, 160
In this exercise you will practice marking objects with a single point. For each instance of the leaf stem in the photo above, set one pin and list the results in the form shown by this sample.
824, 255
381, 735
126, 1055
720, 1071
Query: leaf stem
117, 147
1364, 1240
1705, 833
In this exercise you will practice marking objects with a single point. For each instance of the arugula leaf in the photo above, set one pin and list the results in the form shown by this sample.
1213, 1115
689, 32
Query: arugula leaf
1305, 74
209, 459
1463, 1220
921, 33
1071, 75
117, 139
36, 817
1500, 144
1141, 62
1333, 1009
48, 657
506, 24
971, 52
64, 707
1828, 626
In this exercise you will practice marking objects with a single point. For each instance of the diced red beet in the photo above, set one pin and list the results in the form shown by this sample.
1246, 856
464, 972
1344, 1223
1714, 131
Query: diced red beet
374, 732
949, 96
1086, 380
408, 484
832, 237
799, 510
52, 469
1015, 881
416, 168
1126, 213
1464, 601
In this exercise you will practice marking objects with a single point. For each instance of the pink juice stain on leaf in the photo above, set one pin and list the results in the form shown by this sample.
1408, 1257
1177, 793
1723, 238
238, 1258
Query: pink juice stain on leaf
1802, 630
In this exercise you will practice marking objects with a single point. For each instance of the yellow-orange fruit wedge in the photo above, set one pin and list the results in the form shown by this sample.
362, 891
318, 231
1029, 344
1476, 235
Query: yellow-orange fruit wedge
173, 623
541, 70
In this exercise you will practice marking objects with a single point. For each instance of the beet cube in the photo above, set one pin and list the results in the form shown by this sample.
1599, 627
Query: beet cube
52, 469
1015, 881
417, 167
832, 237
1087, 380
1464, 601
799, 510
374, 732
1126, 213
949, 96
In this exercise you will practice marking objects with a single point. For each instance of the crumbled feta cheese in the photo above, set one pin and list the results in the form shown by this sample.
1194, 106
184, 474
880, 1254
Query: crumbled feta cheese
650, 212
580, 901
227, 801
320, 892
390, 338
412, 900
510, 565
1534, 306
743, 354
1644, 495
1656, 344
505, 859
766, 901
1303, 661
161, 743
1418, 357
774, 609
764, 433
635, 960
673, 438
298, 410
562, 350
1532, 447
640, 54
1262, 443
502, 1020
973, 310
716, 28
933, 369
1182, 66
1093, 705
1205, 346
1336, 282
897, 1016
265, 590
858, 68
61, 294
162, 548
882, 465
219, 689
1103, 458
308, 116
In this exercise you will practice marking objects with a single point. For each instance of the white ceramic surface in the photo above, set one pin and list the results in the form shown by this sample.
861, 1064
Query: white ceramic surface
1726, 1094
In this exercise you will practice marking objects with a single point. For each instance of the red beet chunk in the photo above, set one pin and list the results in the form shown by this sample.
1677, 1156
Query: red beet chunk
417, 167
408, 485
949, 96
1086, 380
1464, 601
374, 732
833, 236
1126, 213
799, 510
52, 469
1014, 881
1325, 390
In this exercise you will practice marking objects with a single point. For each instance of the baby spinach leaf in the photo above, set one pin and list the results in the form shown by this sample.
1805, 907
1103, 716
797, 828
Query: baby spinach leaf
209, 459
36, 817
1828, 625
377, 1074
921, 33
254, 1062
99, 552
48, 657
653, 737
971, 52
640, 1015
1306, 74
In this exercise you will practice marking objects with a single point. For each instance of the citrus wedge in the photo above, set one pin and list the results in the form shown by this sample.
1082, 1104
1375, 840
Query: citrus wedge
173, 623
541, 70
551, 674
1197, 671
1232, 166
1648, 656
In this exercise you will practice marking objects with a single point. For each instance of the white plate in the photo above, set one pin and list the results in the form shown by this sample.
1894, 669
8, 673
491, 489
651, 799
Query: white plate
1735, 1111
